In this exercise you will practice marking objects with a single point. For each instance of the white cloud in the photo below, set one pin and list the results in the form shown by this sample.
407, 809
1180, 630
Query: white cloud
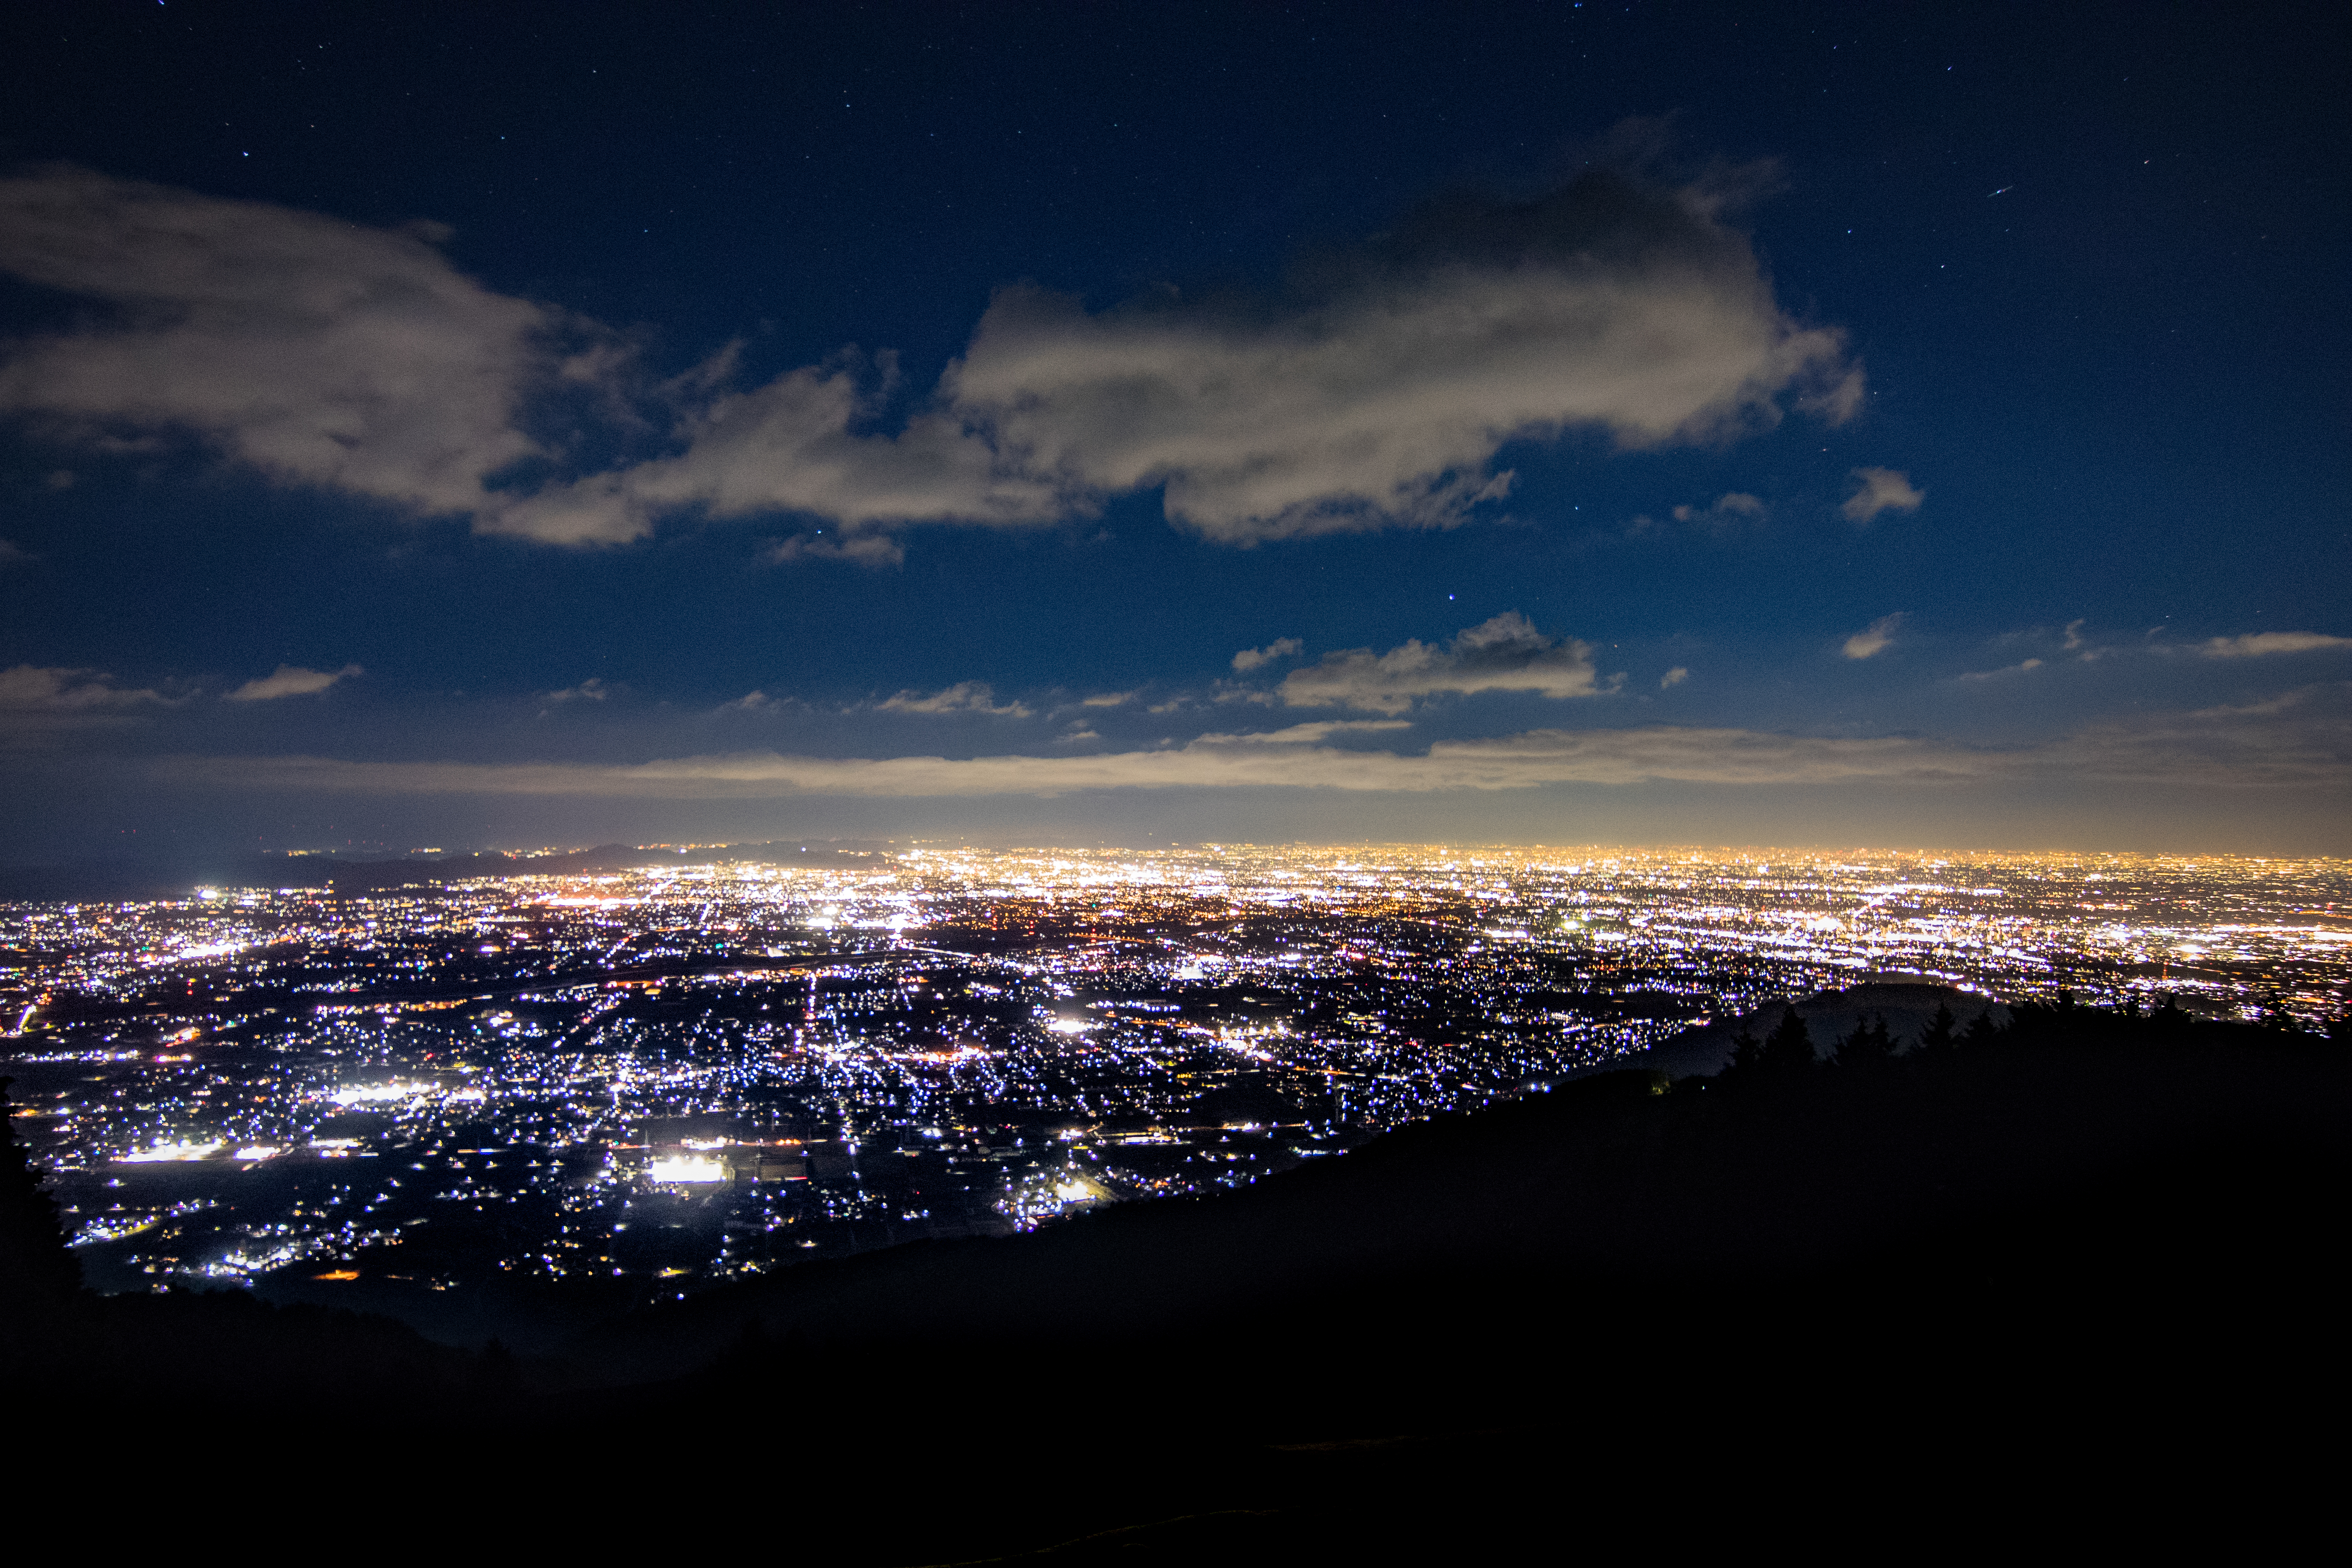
291, 681
963, 697
1376, 390
1250, 658
1874, 638
1674, 677
1881, 489
2255, 645
788, 447
1505, 654
322, 353
592, 690
1107, 700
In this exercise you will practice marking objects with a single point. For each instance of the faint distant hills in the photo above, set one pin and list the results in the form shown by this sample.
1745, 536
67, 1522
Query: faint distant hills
98, 880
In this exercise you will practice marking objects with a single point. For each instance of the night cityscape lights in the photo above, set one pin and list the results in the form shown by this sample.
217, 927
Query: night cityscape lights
688, 1073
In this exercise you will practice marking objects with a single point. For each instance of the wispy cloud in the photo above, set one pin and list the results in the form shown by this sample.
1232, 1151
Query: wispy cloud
2257, 645
1505, 654
2025, 668
1881, 489
1674, 677
1250, 658
1738, 503
1306, 734
1720, 516
291, 681
963, 697
858, 547
1874, 638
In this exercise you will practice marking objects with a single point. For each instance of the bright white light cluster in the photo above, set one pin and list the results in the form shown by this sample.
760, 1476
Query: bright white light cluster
177, 1150
378, 1093
687, 1169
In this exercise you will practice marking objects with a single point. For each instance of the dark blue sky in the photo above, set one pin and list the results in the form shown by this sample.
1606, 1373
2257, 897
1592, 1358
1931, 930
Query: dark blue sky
1958, 401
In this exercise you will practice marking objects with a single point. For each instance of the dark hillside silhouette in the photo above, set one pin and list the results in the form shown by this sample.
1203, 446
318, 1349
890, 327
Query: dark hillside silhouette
1614, 1177
221, 1346
1626, 1271
37, 1271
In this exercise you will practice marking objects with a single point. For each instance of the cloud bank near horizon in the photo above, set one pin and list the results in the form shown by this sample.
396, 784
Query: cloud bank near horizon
2301, 742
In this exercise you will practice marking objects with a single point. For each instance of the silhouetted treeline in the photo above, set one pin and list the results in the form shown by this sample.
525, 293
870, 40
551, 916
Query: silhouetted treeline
1790, 1055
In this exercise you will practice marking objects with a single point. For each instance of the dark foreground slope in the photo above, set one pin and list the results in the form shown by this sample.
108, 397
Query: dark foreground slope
1701, 1192
2089, 1246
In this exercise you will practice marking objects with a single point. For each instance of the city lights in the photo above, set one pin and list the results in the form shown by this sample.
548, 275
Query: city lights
690, 1073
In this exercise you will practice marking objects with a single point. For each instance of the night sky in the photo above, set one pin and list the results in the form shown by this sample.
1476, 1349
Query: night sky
467, 426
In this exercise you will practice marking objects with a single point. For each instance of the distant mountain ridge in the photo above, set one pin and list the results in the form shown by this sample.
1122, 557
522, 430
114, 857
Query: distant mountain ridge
123, 880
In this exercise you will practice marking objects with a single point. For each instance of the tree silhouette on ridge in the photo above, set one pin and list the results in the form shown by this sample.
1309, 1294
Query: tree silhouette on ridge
1789, 1049
1868, 1045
